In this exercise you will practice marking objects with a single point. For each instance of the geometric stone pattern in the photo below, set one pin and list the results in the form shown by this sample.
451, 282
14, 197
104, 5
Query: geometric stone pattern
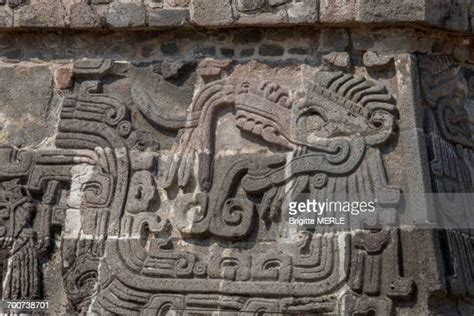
152, 183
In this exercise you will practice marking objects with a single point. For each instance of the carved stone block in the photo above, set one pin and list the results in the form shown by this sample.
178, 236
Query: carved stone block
150, 173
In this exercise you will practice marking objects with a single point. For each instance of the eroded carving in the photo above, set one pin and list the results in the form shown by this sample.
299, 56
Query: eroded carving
447, 98
142, 223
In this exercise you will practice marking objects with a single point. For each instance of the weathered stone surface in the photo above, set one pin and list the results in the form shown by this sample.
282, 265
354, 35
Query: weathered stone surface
169, 49
63, 77
27, 110
124, 15
151, 172
271, 50
306, 11
250, 5
159, 14
247, 36
40, 13
83, 16
334, 40
6, 17
454, 15
377, 11
338, 10
218, 13
172, 17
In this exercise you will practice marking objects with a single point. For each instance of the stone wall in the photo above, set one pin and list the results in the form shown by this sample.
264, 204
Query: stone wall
149, 149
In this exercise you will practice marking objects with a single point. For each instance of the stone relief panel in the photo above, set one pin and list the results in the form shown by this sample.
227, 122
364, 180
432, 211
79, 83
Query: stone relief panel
167, 185
447, 89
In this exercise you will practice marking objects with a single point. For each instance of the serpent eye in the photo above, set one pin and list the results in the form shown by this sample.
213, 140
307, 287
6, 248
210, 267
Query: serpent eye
311, 121
244, 87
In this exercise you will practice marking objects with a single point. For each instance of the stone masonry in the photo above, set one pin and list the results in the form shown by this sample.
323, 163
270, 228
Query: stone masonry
149, 149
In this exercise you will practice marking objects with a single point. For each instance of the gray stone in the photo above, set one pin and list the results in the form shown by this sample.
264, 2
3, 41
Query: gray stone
275, 3
208, 13
454, 16
170, 17
299, 50
14, 53
169, 49
247, 36
178, 3
424, 44
63, 77
362, 40
27, 110
82, 16
152, 171
333, 11
170, 69
397, 42
277, 35
443, 46
40, 13
147, 50
391, 10
204, 51
271, 50
342, 60
333, 40
123, 51
125, 15
249, 5
155, 4
461, 54
13, 3
372, 59
6, 17
247, 52
306, 11
6, 40
227, 52
277, 16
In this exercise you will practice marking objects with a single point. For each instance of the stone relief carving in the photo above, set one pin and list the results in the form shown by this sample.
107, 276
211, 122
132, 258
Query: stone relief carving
141, 223
447, 98
18, 240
